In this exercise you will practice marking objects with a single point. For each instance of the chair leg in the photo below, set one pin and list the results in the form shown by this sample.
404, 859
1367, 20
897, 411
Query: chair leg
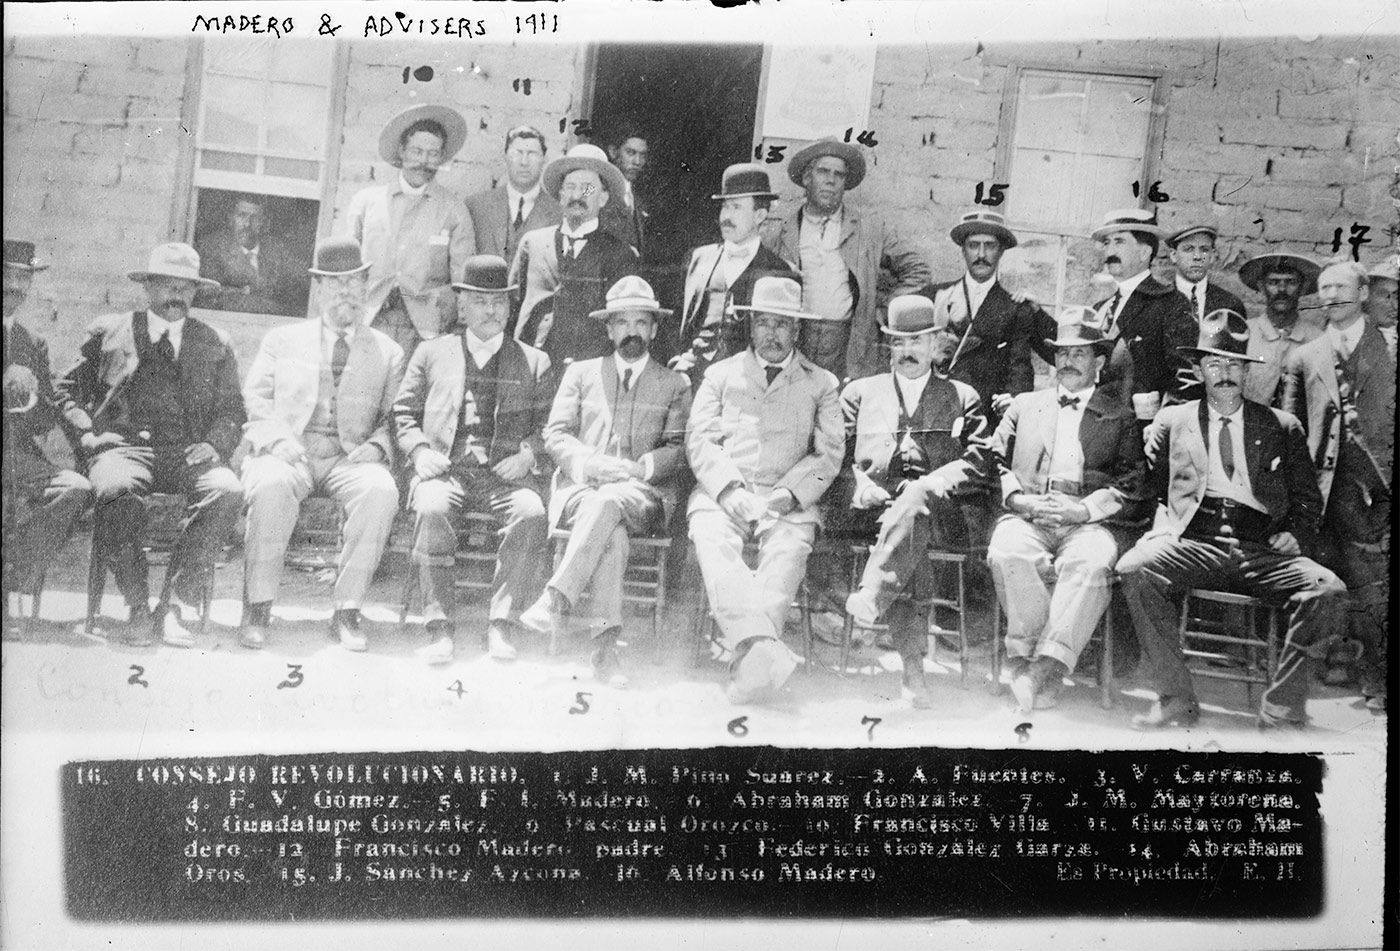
36, 600
995, 687
963, 657
97, 580
1106, 661
804, 601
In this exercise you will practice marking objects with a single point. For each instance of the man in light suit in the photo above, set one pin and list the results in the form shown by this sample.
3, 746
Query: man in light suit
617, 435
1071, 469
468, 417
1238, 512
501, 215
319, 395
1283, 280
915, 440
1341, 386
765, 440
1193, 253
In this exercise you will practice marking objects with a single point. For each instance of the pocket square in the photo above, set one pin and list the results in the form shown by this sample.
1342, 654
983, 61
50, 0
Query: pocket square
957, 427
1002, 344
1274, 464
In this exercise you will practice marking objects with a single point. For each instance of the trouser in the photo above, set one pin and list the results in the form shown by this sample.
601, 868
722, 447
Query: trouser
275, 490
42, 504
599, 520
750, 602
521, 559
1039, 621
1355, 541
122, 478
1160, 567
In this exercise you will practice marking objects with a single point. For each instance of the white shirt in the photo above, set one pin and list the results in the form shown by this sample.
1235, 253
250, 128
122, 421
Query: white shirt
1067, 458
826, 286
911, 391
636, 366
1389, 334
483, 350
585, 229
1217, 484
977, 291
409, 189
514, 197
734, 258
1185, 287
1345, 341
156, 326
1126, 289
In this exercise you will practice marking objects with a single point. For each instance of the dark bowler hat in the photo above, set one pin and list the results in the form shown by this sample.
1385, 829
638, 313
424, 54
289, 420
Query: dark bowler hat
982, 222
1253, 271
912, 314
1223, 333
485, 272
336, 257
1079, 327
1181, 235
20, 256
850, 154
453, 126
745, 180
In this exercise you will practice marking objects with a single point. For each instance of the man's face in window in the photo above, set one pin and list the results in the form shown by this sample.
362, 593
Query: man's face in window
247, 223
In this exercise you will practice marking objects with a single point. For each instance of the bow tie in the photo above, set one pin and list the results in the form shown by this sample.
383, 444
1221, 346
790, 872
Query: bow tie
1071, 401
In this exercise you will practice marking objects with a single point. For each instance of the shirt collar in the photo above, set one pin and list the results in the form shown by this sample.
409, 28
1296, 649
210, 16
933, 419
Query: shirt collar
980, 286
1131, 284
529, 196
408, 189
1183, 285
1215, 415
585, 229
1084, 395
784, 363
1351, 336
484, 348
330, 333
746, 249
636, 366
157, 325
915, 385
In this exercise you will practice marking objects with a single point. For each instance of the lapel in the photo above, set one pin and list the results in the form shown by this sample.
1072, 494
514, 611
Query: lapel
607, 371
1256, 455
850, 221
1371, 355
360, 362
754, 371
1202, 423
1047, 410
1093, 427
707, 260
1324, 366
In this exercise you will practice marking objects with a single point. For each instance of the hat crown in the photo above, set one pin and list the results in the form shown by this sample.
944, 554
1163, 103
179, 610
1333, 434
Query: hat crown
776, 294
337, 256
632, 293
746, 178
485, 272
1078, 327
911, 314
1224, 331
588, 151
1130, 216
174, 260
981, 215
19, 252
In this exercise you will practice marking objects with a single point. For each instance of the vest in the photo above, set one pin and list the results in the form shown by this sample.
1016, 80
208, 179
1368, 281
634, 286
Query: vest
480, 388
575, 335
152, 397
322, 431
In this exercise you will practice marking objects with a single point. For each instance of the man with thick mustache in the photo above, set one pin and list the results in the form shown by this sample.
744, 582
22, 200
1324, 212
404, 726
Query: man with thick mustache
155, 399
1283, 280
255, 272
1238, 511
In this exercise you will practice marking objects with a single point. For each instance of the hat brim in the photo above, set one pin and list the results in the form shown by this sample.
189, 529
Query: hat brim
450, 119
912, 333
1253, 271
320, 273
605, 313
1104, 231
1080, 342
964, 230
1212, 352
780, 311
558, 169
1180, 236
486, 290
140, 276
855, 161
772, 195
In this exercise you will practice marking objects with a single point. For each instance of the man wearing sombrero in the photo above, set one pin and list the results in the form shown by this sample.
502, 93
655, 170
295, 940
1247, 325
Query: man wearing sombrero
1238, 511
414, 232
1282, 280
155, 397
840, 252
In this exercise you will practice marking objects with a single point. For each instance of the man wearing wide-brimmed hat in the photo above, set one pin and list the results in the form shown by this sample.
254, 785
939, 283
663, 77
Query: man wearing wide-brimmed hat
468, 418
156, 399
415, 233
841, 251
765, 440
42, 499
565, 270
1282, 280
1380, 306
1071, 469
1238, 511
721, 275
916, 440
320, 396
617, 435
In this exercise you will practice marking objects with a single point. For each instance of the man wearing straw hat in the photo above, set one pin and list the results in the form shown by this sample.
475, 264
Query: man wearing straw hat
765, 440
1193, 254
156, 400
1380, 306
414, 232
617, 435
915, 441
1071, 468
1282, 280
319, 396
1238, 511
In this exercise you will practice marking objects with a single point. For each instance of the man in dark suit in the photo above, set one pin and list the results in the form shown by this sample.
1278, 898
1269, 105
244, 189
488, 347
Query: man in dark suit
626, 214
501, 215
1193, 253
156, 400
256, 273
42, 500
1238, 511
468, 418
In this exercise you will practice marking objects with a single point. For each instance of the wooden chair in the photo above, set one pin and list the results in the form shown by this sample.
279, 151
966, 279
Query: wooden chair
316, 540
477, 544
644, 582
36, 599
1198, 632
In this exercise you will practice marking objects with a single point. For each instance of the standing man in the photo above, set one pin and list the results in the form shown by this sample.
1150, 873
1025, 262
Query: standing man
626, 215
722, 275
319, 397
469, 415
501, 215
1341, 386
42, 501
617, 435
840, 252
415, 233
155, 398
256, 273
1192, 252
1282, 279
566, 269
1380, 303
1238, 510
916, 441
765, 440
1071, 468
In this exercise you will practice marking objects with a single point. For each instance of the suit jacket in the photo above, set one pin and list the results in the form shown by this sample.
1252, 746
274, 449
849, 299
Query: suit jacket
1276, 456
582, 423
555, 317
628, 223
994, 355
28, 431
1154, 322
284, 382
428, 407
492, 220
867, 246
1189, 387
1309, 392
711, 343
92, 391
789, 435
278, 285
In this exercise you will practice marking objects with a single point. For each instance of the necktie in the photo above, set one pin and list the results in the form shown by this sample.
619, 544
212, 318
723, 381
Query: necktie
572, 249
1227, 448
164, 348
627, 380
1110, 315
1195, 304
771, 371
340, 354
1072, 401
520, 214
824, 223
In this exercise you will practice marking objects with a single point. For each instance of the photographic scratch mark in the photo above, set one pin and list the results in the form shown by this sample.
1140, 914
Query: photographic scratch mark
1246, 182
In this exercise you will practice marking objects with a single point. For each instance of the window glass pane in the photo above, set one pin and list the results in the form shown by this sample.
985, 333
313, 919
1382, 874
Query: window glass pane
1042, 187
1117, 117
292, 168
227, 161
1047, 112
302, 62
241, 57
296, 120
229, 119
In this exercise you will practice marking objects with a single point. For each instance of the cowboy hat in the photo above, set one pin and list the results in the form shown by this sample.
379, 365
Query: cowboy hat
1253, 271
982, 222
1079, 327
1223, 333
850, 154
583, 156
628, 294
775, 294
453, 125
173, 260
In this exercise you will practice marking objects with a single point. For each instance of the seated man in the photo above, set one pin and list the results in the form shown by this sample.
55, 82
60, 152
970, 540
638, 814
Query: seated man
765, 440
1239, 508
915, 438
319, 395
617, 434
1071, 468
468, 417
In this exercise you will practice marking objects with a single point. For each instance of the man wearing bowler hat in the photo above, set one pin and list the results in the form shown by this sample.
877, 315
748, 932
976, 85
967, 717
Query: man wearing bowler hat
915, 441
414, 232
1071, 469
319, 396
1282, 280
156, 400
1238, 508
841, 252
468, 417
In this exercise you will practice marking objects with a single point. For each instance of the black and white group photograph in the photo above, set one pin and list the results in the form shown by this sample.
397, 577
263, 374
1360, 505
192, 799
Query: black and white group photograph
667, 474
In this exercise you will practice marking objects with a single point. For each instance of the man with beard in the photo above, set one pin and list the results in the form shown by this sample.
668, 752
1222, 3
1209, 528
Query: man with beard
1282, 279
1380, 306
319, 396
255, 272
501, 215
155, 398
415, 233
617, 435
1238, 512
625, 216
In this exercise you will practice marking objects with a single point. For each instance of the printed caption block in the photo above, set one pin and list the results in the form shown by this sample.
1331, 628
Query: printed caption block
760, 831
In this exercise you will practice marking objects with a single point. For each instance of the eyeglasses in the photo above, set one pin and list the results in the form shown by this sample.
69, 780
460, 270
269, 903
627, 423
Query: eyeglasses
1220, 363
422, 154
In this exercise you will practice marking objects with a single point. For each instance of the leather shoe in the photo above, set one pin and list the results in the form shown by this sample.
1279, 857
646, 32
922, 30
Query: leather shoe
1169, 711
861, 606
440, 650
173, 631
497, 647
914, 686
345, 627
256, 620
762, 671
607, 667
140, 628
